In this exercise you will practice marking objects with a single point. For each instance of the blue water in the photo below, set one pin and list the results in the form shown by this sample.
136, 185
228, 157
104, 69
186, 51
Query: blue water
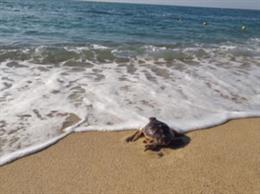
111, 66
80, 22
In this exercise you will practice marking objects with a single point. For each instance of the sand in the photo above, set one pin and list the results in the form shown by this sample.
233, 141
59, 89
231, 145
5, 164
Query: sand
223, 159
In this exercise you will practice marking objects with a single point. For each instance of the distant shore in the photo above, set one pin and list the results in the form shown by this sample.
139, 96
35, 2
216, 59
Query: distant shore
223, 159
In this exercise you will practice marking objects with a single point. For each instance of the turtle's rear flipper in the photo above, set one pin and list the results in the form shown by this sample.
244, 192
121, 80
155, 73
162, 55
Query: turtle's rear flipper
152, 147
177, 134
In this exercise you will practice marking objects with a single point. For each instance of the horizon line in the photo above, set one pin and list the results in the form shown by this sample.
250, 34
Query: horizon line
166, 4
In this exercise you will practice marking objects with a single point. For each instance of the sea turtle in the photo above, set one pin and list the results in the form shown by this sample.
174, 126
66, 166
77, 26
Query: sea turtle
157, 134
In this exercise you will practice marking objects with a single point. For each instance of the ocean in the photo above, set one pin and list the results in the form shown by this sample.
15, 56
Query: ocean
115, 65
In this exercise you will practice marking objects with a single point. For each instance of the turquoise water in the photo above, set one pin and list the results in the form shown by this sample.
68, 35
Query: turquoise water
79, 22
115, 65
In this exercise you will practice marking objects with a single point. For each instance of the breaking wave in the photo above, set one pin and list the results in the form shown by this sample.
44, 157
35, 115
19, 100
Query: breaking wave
49, 92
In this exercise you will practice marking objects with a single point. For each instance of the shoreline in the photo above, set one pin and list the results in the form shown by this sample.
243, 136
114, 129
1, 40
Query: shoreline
222, 159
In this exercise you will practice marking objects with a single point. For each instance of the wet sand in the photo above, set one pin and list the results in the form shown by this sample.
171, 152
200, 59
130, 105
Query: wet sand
223, 159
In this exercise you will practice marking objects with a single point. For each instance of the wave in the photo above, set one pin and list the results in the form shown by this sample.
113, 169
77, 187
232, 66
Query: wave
116, 87
57, 54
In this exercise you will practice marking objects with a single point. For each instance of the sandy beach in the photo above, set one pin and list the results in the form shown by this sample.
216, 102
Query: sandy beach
223, 159
77, 76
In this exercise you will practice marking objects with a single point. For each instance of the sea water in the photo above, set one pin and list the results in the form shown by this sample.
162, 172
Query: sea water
115, 65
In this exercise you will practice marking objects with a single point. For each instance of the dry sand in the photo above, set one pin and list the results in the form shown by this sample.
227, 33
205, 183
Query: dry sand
224, 159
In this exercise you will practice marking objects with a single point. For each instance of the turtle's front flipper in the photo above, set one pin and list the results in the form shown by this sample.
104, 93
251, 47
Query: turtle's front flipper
135, 136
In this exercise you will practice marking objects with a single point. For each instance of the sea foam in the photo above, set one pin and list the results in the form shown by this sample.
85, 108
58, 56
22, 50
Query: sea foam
116, 88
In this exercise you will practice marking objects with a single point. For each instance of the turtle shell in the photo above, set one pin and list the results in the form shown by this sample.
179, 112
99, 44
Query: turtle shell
158, 131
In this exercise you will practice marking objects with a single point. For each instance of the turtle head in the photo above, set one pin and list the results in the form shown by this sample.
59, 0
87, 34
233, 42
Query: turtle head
152, 119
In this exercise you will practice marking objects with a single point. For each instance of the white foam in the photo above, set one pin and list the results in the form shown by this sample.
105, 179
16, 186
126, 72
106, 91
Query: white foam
7, 158
199, 87
99, 47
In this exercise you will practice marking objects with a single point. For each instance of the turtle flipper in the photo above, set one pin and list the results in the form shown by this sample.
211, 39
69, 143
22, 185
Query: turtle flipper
152, 146
135, 136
